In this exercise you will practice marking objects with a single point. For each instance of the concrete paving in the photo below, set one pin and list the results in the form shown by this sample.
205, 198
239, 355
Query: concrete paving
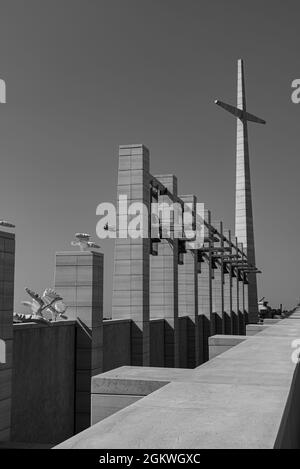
236, 400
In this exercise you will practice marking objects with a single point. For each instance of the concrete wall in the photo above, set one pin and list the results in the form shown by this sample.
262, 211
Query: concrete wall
44, 370
43, 382
289, 432
116, 343
221, 343
157, 337
46, 379
183, 342
253, 329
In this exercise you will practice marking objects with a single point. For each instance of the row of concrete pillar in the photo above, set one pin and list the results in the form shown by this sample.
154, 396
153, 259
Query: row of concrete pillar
208, 285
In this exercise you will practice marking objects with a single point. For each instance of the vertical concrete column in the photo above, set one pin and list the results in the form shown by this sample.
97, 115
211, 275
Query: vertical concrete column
205, 293
210, 272
164, 281
132, 263
227, 315
188, 295
242, 324
79, 280
227, 326
246, 303
217, 290
237, 289
222, 245
237, 302
7, 265
235, 292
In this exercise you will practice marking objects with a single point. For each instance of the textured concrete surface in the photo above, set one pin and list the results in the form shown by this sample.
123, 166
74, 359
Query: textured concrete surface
164, 279
253, 329
188, 294
79, 280
43, 382
269, 321
237, 400
104, 405
205, 296
131, 291
221, 343
7, 266
218, 290
157, 342
116, 343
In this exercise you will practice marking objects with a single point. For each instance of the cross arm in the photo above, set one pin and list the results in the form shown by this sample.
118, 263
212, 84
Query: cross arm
232, 109
252, 118
239, 113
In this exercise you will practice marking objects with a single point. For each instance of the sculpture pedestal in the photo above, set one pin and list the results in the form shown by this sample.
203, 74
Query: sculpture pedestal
79, 280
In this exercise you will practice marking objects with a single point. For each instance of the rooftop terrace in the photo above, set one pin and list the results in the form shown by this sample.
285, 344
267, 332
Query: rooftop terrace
246, 397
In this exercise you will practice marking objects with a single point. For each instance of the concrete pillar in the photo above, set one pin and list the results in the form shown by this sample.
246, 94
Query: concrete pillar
7, 265
227, 303
242, 324
227, 289
222, 268
237, 302
205, 294
132, 264
235, 294
242, 330
79, 280
217, 290
246, 303
188, 295
164, 282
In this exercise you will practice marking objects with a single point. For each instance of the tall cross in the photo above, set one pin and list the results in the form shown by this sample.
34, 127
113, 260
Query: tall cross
243, 198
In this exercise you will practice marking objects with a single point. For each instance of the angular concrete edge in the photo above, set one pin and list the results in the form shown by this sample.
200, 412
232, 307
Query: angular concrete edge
226, 340
218, 344
253, 329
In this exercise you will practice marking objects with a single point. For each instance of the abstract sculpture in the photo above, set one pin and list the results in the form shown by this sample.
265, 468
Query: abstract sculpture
6, 224
83, 241
49, 302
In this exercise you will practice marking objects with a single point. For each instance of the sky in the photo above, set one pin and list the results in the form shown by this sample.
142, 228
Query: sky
84, 76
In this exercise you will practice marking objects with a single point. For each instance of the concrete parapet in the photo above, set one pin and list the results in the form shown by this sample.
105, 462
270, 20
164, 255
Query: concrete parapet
251, 389
221, 343
253, 329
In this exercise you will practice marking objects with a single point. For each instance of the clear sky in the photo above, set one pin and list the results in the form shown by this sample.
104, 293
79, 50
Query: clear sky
84, 76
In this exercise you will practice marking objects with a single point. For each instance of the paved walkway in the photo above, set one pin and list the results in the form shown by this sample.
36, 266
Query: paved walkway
236, 400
